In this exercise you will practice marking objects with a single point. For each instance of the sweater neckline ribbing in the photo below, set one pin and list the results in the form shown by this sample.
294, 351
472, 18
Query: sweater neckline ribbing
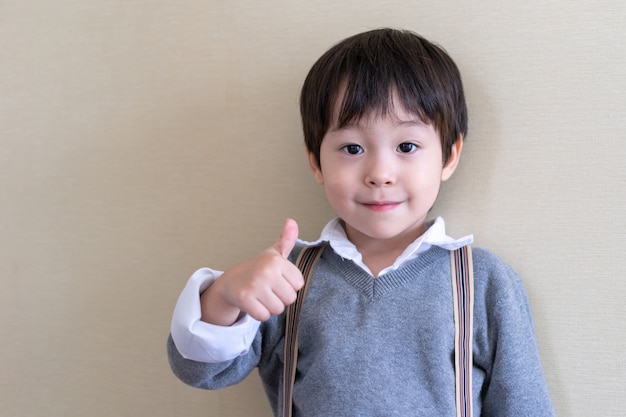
376, 287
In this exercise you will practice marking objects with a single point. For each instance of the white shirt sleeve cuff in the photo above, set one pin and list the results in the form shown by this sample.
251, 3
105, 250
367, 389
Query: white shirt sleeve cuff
204, 342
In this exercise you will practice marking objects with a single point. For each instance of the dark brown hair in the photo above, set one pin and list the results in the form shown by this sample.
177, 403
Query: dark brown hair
369, 68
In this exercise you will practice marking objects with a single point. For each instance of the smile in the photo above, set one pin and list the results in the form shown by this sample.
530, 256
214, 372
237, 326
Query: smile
381, 206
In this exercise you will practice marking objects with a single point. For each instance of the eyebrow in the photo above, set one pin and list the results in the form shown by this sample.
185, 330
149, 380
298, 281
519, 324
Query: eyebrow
411, 122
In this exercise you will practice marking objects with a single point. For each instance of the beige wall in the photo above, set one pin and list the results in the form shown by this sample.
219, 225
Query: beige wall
141, 140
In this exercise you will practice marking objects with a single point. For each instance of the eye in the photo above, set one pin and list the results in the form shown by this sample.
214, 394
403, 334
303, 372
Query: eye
407, 147
353, 149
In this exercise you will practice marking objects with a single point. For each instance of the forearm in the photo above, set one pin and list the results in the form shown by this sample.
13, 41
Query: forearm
205, 375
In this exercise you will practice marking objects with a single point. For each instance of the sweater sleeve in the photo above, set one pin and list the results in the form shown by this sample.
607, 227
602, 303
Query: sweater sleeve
212, 376
515, 383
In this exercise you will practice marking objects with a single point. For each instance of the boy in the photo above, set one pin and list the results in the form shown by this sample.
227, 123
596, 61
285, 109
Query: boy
384, 119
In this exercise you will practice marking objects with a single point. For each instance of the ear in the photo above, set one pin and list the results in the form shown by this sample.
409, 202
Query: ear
453, 161
315, 167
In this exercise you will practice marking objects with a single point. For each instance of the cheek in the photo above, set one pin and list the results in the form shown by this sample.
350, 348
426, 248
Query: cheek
338, 193
336, 174
336, 188
425, 182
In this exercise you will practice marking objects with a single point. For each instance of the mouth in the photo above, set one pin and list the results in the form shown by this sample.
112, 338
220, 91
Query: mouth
381, 206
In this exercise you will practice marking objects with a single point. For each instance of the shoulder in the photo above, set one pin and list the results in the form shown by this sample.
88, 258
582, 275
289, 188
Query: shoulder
495, 279
295, 252
487, 262
299, 247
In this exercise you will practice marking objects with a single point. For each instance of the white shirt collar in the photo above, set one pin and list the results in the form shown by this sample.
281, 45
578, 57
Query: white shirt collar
435, 235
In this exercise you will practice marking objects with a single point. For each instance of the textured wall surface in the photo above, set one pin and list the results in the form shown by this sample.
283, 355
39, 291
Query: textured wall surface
142, 140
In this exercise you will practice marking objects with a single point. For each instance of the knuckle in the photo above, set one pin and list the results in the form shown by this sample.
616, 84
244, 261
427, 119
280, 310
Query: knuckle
290, 297
263, 315
277, 309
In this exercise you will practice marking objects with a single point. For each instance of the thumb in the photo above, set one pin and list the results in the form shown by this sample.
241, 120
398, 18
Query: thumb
287, 239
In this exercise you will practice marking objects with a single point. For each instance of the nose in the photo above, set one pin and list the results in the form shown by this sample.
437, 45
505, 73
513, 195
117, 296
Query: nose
381, 172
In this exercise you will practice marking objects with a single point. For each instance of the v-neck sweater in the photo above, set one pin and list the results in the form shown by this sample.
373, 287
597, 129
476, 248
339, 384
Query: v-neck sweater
385, 346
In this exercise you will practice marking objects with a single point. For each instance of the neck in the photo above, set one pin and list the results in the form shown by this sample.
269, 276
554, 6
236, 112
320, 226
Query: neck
379, 254
377, 262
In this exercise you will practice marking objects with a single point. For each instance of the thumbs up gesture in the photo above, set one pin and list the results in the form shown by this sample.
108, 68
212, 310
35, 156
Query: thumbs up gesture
261, 286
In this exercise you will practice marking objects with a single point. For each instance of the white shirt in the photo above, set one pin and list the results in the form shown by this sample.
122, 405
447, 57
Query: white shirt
204, 342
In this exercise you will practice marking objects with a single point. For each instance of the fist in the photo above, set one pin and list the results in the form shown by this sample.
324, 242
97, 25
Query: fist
261, 286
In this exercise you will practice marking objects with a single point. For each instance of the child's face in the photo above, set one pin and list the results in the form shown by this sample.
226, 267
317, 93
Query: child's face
382, 176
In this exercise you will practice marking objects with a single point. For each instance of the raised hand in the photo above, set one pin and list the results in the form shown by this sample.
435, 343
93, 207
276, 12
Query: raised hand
261, 286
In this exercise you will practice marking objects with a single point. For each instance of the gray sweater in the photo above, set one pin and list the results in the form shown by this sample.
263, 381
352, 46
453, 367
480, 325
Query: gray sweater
385, 346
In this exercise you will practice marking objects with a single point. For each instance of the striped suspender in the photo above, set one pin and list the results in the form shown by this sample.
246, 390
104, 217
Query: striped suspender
463, 294
305, 262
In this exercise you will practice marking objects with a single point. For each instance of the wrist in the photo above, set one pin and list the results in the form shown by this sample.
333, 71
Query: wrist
215, 309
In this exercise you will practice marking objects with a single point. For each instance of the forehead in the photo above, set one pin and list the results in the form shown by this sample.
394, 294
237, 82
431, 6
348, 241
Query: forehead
346, 112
